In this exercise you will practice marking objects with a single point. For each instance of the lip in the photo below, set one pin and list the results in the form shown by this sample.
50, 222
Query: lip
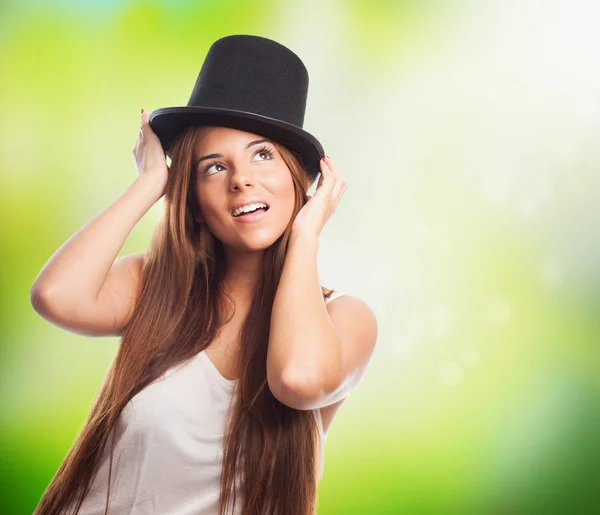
248, 200
257, 216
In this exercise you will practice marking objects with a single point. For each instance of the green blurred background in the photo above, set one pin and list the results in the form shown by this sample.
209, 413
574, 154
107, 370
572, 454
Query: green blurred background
468, 132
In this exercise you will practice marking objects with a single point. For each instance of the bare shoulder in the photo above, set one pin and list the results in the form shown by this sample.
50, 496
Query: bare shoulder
356, 323
348, 302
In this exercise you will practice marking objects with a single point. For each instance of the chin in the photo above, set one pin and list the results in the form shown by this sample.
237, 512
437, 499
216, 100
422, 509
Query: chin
257, 244
254, 243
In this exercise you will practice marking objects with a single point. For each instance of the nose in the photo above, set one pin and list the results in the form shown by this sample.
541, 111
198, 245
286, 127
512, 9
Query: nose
242, 177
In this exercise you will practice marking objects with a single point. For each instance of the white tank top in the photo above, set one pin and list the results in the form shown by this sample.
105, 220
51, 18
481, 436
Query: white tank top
168, 446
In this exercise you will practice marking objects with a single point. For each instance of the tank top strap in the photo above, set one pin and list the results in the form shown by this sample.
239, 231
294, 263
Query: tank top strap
335, 295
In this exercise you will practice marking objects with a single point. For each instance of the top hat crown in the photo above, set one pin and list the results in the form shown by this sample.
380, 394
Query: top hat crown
249, 83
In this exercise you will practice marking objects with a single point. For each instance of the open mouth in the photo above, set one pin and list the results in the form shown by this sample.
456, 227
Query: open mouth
252, 213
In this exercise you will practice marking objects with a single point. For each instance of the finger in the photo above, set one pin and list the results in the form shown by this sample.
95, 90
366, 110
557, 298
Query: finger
323, 182
335, 177
340, 181
320, 181
326, 174
339, 190
145, 124
337, 186
334, 169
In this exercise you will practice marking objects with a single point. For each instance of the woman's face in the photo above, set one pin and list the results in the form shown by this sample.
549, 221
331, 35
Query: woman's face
236, 166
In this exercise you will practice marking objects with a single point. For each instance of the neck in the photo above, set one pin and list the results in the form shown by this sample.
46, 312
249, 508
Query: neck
243, 272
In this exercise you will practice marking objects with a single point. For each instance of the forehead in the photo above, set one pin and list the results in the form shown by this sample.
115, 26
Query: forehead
224, 136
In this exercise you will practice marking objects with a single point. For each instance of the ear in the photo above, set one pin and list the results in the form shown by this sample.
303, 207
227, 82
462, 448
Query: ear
198, 217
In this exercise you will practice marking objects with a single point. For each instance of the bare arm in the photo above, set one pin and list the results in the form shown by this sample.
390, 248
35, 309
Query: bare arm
84, 287
304, 348
69, 288
318, 352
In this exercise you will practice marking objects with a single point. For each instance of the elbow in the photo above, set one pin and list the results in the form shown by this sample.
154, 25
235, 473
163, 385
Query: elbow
44, 301
38, 297
295, 392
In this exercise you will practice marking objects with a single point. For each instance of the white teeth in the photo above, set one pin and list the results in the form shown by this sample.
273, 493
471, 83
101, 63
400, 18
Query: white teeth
248, 208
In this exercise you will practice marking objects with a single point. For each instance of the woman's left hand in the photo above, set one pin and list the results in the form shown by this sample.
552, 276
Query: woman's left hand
314, 214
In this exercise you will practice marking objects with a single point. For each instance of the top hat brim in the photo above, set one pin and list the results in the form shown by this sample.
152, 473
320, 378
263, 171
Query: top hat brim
168, 124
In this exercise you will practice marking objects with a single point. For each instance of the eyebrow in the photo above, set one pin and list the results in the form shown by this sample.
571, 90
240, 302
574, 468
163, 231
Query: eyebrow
211, 156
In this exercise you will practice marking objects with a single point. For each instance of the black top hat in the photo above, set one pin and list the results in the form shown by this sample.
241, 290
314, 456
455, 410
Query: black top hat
249, 83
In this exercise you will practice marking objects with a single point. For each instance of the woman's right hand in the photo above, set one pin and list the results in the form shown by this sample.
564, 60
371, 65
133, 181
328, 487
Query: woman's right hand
148, 153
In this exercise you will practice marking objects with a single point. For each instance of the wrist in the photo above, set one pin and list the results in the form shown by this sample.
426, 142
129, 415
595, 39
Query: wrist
155, 186
303, 239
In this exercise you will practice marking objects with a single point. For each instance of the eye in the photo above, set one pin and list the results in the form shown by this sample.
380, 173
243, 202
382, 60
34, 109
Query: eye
207, 168
262, 150
266, 151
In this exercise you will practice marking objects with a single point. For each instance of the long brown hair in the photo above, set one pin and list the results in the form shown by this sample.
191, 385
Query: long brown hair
271, 446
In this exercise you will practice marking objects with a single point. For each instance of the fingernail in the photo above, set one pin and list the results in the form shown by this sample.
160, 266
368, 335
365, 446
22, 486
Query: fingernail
142, 110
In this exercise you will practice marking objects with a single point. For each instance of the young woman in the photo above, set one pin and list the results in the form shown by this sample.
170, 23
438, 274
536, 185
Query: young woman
233, 358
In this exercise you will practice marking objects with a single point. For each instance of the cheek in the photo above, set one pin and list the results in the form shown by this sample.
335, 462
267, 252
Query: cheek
204, 206
281, 189
290, 193
286, 202
283, 185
